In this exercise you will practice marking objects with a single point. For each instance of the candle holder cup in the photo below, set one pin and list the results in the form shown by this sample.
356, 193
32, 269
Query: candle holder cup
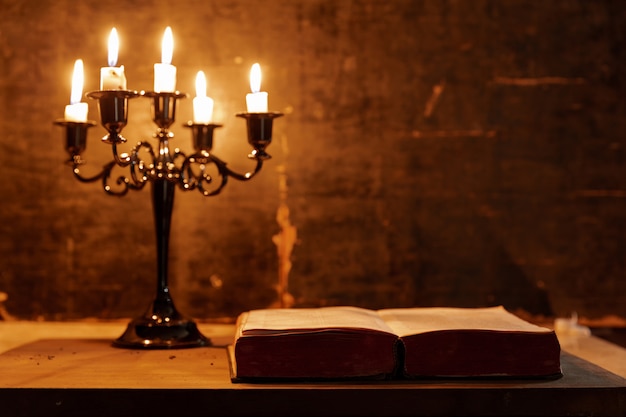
163, 107
113, 107
75, 138
202, 135
161, 326
259, 127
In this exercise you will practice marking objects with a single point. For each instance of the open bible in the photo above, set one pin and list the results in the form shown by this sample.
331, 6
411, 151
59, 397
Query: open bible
423, 342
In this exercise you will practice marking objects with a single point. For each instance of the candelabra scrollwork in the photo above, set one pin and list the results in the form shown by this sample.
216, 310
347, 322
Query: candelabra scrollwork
166, 169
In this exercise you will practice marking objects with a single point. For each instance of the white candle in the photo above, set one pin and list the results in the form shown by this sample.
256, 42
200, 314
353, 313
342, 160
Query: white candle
165, 72
112, 77
77, 111
257, 100
202, 105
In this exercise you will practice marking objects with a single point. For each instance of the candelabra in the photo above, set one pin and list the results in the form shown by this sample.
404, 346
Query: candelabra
162, 326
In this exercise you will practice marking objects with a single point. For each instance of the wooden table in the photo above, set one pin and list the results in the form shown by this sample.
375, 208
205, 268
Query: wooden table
87, 376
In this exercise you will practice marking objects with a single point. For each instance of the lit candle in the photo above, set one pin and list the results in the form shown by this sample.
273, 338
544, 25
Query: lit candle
165, 72
257, 100
77, 111
202, 105
112, 77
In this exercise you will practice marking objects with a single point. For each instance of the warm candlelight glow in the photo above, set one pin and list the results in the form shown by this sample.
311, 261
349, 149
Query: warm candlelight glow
165, 73
202, 105
257, 100
200, 84
167, 46
255, 78
77, 111
78, 81
112, 77
114, 47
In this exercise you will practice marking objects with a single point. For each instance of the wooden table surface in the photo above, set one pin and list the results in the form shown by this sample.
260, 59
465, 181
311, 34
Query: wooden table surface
57, 371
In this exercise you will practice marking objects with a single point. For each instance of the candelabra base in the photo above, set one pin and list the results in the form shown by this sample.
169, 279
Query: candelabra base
155, 330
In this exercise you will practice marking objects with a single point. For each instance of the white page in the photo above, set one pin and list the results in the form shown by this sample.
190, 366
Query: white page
294, 320
407, 321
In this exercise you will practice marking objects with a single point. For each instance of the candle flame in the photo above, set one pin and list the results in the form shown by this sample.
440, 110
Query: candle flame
114, 46
255, 78
78, 79
200, 84
167, 47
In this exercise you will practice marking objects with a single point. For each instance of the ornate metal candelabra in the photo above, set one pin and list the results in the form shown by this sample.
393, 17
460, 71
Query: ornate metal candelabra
162, 326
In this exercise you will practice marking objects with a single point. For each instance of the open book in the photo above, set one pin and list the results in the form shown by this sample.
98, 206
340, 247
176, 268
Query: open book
423, 342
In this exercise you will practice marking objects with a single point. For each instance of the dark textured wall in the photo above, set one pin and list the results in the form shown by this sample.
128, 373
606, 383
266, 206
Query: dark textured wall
432, 153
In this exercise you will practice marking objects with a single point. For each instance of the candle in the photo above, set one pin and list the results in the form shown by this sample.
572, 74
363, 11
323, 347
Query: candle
112, 77
77, 111
202, 105
165, 72
257, 100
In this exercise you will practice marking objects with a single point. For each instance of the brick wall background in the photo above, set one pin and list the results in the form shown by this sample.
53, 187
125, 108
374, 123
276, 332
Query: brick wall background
433, 152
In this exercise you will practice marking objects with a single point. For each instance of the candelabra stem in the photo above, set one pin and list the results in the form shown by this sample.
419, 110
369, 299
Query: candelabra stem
162, 326
163, 204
